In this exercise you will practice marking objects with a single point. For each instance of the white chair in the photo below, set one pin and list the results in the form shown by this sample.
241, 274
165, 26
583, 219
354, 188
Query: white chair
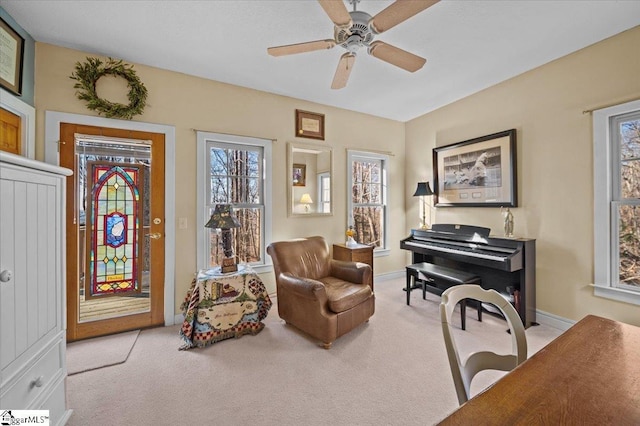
463, 373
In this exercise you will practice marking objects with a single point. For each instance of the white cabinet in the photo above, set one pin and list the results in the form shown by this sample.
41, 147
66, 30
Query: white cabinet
32, 287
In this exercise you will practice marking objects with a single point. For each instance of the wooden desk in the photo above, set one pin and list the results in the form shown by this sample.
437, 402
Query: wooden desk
590, 375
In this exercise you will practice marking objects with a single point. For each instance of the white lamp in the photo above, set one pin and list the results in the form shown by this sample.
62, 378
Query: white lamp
306, 200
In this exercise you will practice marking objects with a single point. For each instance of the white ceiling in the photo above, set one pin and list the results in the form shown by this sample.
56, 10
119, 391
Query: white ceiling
469, 45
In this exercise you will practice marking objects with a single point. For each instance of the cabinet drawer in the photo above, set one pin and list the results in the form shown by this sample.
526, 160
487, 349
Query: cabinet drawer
34, 381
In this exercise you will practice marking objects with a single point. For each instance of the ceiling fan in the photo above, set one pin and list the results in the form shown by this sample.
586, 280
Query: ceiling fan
357, 29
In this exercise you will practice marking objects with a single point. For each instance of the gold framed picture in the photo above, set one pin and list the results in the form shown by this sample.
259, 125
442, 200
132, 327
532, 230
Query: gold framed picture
299, 174
309, 125
12, 46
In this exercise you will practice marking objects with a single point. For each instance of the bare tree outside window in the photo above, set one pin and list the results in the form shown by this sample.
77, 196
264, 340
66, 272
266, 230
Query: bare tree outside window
236, 179
368, 200
629, 205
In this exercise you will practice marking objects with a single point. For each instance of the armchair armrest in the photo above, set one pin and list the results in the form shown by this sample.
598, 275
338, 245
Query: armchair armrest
355, 272
303, 287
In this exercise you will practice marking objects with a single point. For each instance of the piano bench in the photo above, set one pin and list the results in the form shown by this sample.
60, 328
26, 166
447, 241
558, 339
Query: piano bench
446, 277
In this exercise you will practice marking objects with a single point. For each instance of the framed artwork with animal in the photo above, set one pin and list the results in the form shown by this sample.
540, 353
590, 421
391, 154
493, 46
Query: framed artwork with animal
479, 172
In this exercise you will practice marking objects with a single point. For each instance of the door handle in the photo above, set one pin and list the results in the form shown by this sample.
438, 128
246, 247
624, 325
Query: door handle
155, 235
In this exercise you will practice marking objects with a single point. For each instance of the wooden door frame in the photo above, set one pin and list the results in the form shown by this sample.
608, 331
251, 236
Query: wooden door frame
52, 138
76, 329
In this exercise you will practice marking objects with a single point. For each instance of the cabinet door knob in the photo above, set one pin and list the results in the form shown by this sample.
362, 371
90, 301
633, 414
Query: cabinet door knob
6, 275
38, 382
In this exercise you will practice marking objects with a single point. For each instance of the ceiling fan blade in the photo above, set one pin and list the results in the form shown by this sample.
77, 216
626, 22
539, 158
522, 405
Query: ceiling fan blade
308, 46
337, 12
398, 12
344, 69
396, 56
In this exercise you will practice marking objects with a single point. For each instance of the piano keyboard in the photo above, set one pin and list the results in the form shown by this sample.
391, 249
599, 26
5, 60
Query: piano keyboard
463, 250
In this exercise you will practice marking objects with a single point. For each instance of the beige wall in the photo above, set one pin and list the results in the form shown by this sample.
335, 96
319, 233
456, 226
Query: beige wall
188, 103
544, 105
555, 163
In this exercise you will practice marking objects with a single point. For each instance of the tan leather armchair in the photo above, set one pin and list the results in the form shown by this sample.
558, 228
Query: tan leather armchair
323, 297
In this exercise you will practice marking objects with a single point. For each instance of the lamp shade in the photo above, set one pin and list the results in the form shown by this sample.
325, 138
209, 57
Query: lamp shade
222, 218
423, 189
306, 199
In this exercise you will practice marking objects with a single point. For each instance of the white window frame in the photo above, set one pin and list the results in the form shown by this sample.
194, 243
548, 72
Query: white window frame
204, 141
606, 167
353, 155
324, 193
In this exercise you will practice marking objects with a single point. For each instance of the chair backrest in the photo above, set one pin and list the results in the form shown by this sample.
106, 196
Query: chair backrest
302, 257
463, 373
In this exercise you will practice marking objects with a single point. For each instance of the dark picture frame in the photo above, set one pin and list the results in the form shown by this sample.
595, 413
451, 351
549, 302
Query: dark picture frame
479, 172
12, 47
309, 125
299, 175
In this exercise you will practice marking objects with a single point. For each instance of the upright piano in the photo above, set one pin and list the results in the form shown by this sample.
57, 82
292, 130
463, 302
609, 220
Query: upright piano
507, 265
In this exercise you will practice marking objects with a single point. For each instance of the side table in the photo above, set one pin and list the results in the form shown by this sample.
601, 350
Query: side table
360, 253
220, 306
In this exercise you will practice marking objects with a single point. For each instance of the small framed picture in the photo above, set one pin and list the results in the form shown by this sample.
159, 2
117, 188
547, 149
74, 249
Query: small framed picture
12, 46
299, 175
309, 125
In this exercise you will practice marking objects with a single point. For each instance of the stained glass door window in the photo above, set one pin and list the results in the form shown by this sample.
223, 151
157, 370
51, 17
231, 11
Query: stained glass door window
114, 229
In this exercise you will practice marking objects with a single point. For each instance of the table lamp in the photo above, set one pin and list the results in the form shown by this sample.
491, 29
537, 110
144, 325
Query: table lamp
223, 219
306, 200
423, 190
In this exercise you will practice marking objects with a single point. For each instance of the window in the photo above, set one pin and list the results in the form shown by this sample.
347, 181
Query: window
616, 133
234, 170
324, 192
367, 203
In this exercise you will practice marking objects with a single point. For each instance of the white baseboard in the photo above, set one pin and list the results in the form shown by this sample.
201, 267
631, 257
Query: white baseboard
389, 276
552, 320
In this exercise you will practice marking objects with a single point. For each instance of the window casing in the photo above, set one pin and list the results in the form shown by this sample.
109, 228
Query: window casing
324, 192
367, 185
234, 170
616, 133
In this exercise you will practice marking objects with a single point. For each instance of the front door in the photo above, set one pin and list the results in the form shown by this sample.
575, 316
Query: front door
115, 229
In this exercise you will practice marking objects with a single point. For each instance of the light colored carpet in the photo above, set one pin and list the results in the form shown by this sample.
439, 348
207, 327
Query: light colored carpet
392, 370
99, 352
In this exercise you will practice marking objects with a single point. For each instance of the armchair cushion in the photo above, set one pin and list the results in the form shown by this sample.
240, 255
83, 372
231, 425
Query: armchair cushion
344, 295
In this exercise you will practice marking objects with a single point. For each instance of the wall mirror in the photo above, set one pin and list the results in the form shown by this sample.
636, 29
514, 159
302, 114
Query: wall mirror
309, 183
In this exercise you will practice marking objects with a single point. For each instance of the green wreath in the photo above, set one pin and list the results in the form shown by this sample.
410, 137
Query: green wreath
87, 74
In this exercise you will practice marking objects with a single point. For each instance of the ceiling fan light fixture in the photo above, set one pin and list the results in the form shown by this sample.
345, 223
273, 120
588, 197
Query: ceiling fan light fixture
357, 35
